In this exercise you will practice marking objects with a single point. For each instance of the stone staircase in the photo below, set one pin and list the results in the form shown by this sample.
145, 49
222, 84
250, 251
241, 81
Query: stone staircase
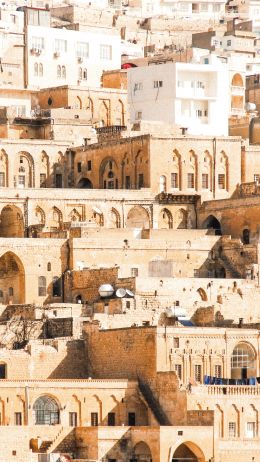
231, 271
153, 403
64, 441
45, 447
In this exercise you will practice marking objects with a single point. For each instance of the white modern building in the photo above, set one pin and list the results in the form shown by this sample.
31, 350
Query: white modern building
65, 57
190, 96
177, 8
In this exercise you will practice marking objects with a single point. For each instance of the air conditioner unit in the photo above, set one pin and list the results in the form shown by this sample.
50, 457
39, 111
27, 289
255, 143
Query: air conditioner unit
80, 60
56, 54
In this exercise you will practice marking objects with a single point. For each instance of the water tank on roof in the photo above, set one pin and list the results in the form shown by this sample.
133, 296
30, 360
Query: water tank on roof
250, 107
105, 290
120, 293
172, 312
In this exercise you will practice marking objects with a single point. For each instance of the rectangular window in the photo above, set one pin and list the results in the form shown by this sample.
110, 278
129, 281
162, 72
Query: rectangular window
176, 342
200, 84
177, 368
216, 7
18, 418
2, 179
232, 429
2, 371
257, 178
111, 419
21, 181
140, 180
157, 83
191, 182
58, 180
82, 50
250, 429
42, 180
221, 181
131, 419
79, 167
73, 419
105, 52
138, 86
218, 371
138, 115
229, 43
205, 181
89, 165
197, 372
127, 182
174, 180
60, 45
94, 419
203, 7
134, 272
198, 113
37, 43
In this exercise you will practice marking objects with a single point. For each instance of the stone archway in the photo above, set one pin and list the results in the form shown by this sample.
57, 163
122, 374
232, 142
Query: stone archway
165, 219
212, 223
243, 361
187, 452
11, 222
138, 217
12, 279
85, 183
142, 452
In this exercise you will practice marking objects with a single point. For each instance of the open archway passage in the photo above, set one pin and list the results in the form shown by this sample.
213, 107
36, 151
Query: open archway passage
184, 454
85, 183
46, 411
212, 223
11, 222
12, 279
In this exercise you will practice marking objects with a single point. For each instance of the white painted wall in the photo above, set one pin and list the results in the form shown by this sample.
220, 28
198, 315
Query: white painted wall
196, 96
93, 63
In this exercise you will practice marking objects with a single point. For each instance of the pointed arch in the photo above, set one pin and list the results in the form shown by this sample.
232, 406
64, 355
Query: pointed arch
193, 168
104, 112
11, 222
78, 102
57, 216
44, 169
187, 450
75, 215
40, 214
109, 173
176, 171
223, 174
207, 171
27, 177
12, 278
202, 294
182, 219
122, 112
165, 219
138, 217
115, 218
90, 106
4, 169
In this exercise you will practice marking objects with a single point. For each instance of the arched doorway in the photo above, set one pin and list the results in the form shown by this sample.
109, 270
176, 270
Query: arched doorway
243, 361
188, 452
85, 183
246, 236
11, 222
46, 411
212, 223
138, 218
12, 279
142, 452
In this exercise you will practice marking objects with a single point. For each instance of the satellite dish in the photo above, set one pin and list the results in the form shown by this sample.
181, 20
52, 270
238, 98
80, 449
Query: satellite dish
120, 293
129, 293
105, 290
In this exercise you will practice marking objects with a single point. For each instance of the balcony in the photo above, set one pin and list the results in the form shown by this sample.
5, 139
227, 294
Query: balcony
227, 390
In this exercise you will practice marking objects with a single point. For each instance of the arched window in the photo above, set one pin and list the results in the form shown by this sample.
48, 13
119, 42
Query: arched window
11, 291
63, 72
40, 70
243, 361
46, 411
58, 72
42, 286
49, 266
246, 236
35, 69
56, 286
